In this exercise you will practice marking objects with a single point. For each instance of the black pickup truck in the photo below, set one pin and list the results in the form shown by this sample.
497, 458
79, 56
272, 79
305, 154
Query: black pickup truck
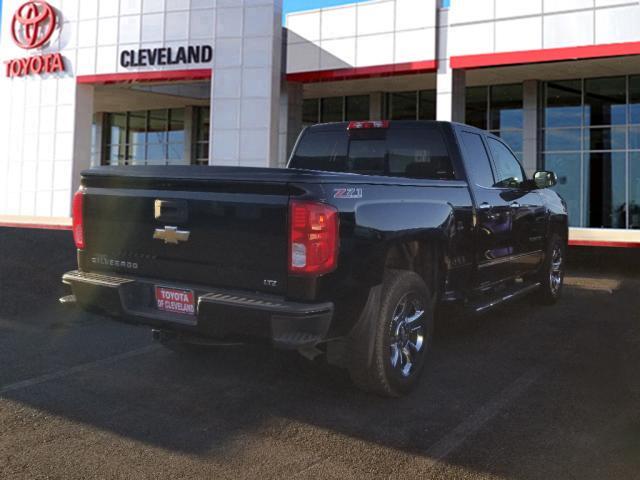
347, 252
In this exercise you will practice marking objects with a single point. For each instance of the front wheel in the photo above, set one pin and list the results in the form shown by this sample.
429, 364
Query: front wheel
551, 276
392, 362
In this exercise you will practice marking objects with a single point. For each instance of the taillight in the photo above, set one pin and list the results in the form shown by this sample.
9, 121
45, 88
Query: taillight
78, 219
313, 238
368, 125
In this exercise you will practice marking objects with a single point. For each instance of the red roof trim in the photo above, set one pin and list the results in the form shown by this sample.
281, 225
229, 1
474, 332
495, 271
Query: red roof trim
427, 66
157, 76
597, 243
545, 55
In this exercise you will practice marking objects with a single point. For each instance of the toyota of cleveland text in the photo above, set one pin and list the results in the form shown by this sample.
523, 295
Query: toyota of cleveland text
346, 253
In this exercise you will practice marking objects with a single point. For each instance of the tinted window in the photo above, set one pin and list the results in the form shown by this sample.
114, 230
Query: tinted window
403, 106
331, 109
322, 151
410, 152
367, 156
476, 100
477, 160
418, 153
508, 170
357, 107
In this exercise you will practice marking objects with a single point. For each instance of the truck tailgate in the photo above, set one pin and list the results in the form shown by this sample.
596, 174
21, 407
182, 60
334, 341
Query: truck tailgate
222, 234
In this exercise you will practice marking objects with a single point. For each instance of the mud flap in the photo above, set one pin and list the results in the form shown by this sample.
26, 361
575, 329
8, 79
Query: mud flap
363, 333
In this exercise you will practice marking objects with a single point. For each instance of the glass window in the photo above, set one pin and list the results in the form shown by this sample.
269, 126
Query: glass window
116, 154
332, 109
506, 107
595, 154
418, 153
605, 138
177, 130
605, 101
403, 152
367, 156
607, 190
322, 151
357, 108
157, 131
634, 99
154, 137
156, 154
136, 154
310, 111
509, 172
563, 104
203, 120
567, 167
634, 190
403, 106
513, 138
118, 127
562, 139
477, 159
427, 107
137, 128
477, 107
634, 138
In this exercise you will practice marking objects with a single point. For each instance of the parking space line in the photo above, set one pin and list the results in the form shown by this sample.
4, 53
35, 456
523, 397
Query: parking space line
473, 424
67, 372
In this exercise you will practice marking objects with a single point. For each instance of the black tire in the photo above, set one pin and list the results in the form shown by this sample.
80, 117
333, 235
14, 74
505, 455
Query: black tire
551, 275
387, 356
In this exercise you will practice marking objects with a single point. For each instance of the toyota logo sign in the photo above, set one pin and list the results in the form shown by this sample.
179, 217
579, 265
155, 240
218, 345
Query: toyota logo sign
33, 24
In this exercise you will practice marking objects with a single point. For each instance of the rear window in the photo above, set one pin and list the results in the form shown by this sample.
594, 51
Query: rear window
401, 152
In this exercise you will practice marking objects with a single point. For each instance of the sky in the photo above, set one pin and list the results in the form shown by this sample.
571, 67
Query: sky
298, 5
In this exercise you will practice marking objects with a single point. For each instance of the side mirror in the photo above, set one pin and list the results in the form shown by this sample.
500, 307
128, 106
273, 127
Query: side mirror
545, 179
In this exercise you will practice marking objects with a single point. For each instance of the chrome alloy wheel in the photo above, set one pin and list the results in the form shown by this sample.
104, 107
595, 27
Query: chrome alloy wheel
556, 272
407, 334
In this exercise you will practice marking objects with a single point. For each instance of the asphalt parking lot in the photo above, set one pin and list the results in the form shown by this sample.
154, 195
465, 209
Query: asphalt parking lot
523, 392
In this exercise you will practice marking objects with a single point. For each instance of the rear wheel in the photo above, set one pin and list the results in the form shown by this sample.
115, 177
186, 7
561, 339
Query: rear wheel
551, 276
402, 330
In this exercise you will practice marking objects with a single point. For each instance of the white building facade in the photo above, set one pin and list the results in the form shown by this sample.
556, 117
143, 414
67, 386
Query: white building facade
221, 82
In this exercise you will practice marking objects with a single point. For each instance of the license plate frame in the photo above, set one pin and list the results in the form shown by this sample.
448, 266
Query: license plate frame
177, 301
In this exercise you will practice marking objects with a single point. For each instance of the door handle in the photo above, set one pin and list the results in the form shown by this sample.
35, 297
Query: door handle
484, 206
515, 205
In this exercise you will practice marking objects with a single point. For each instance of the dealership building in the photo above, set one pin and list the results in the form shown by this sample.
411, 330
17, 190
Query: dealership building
224, 82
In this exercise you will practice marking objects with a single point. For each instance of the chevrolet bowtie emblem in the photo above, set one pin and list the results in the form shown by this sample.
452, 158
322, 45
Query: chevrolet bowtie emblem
171, 235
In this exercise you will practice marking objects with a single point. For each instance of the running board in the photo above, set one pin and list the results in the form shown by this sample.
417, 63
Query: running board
504, 297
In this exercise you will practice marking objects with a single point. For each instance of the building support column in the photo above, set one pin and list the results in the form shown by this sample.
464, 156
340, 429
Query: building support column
376, 106
451, 84
530, 135
291, 99
245, 99
98, 141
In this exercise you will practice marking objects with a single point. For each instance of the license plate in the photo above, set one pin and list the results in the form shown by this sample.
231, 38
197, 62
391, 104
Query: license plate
176, 301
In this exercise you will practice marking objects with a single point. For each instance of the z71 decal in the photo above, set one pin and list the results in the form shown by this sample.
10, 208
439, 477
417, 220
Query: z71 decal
347, 193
